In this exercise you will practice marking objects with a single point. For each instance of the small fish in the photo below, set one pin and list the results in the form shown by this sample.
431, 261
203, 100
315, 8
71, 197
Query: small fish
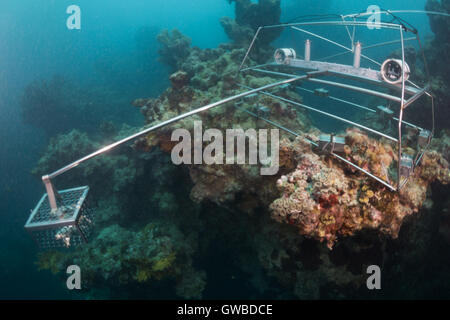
385, 110
263, 110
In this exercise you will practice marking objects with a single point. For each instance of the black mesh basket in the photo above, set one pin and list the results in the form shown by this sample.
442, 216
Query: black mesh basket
68, 226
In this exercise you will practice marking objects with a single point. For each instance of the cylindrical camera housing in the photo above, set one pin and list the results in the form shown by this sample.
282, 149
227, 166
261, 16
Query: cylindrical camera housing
284, 56
393, 70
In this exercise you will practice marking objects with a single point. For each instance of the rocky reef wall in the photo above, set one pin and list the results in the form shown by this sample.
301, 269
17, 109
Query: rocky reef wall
308, 232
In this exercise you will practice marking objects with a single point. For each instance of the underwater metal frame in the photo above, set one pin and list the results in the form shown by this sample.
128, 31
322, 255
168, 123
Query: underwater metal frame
409, 92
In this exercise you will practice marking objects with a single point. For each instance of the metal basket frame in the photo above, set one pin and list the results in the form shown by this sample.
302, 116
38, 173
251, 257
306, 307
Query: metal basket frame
43, 219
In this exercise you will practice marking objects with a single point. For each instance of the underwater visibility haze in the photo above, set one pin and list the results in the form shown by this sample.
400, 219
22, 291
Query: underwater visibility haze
355, 101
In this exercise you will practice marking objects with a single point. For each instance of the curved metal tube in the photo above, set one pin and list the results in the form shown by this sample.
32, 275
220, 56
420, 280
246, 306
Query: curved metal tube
167, 122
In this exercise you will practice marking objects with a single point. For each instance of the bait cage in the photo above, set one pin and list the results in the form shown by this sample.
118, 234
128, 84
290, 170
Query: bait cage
69, 225
63, 218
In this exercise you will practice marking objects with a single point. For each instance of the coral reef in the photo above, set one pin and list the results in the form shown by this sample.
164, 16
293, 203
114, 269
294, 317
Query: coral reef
212, 80
158, 223
241, 35
136, 193
249, 17
325, 199
121, 169
120, 256
174, 47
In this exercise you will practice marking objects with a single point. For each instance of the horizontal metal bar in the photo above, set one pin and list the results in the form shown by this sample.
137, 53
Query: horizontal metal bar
387, 43
52, 224
273, 72
310, 74
333, 23
258, 66
358, 89
362, 107
389, 12
339, 100
276, 125
172, 120
327, 114
335, 67
334, 56
407, 123
408, 89
331, 97
359, 106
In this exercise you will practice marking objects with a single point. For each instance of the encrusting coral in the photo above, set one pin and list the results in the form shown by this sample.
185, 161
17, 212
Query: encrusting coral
325, 199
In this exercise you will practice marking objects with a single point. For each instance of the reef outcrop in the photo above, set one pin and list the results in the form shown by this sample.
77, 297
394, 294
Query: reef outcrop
121, 257
312, 228
325, 199
133, 243
174, 47
249, 17
213, 77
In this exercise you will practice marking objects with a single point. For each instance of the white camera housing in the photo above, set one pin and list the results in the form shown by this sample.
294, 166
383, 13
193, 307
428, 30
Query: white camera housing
393, 70
284, 56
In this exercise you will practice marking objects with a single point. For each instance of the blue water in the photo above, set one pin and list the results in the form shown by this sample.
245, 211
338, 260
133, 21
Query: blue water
35, 43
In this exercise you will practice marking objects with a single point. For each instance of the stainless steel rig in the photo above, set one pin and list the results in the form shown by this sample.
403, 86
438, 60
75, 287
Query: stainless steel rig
63, 218
389, 81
